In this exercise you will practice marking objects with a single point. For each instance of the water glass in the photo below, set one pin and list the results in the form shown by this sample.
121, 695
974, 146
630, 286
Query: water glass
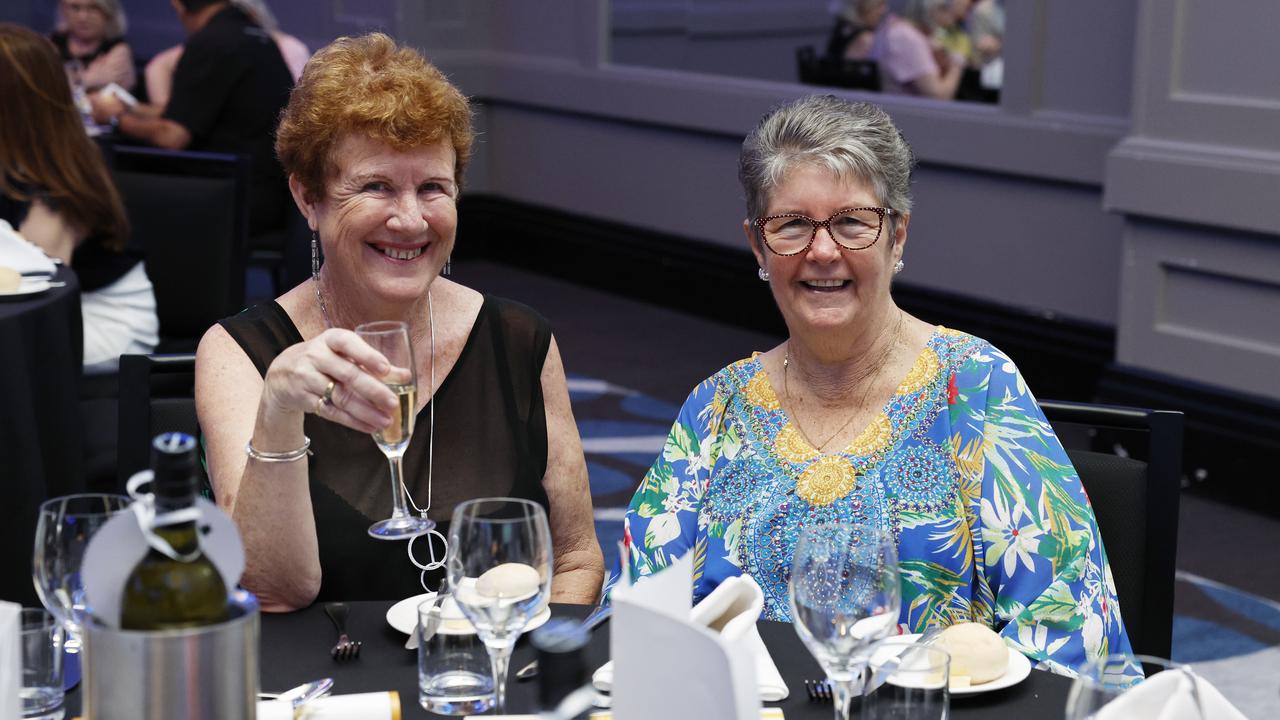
916, 685
42, 641
455, 676
1110, 688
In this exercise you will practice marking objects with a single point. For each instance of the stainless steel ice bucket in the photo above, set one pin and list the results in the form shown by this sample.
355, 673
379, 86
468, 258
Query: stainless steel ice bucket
208, 673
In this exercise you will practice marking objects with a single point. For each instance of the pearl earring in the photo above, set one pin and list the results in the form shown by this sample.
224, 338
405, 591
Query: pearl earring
764, 274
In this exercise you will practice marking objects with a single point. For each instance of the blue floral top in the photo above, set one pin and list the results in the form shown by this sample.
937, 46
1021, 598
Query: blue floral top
992, 523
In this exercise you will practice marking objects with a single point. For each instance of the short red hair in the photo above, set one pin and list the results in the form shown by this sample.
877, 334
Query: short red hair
370, 86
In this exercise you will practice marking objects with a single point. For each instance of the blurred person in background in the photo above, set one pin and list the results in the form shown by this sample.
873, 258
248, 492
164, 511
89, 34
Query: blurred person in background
228, 91
986, 32
56, 192
89, 36
159, 71
906, 58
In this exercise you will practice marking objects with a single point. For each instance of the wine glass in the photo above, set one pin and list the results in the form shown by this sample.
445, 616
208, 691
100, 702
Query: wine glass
1112, 687
391, 338
65, 526
845, 596
499, 567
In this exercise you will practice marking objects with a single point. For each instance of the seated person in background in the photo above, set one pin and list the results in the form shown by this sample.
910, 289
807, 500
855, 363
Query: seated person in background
228, 90
159, 71
986, 32
907, 61
375, 141
866, 414
90, 39
939, 21
55, 191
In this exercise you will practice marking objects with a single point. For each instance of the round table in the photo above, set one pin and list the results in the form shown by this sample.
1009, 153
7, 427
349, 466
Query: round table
41, 356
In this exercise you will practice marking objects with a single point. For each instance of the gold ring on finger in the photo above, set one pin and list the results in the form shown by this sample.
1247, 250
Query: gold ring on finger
328, 393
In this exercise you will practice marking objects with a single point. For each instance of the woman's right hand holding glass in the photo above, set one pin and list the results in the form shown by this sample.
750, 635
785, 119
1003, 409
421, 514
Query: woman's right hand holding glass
335, 375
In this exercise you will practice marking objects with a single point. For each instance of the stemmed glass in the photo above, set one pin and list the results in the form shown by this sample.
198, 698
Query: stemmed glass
499, 567
845, 596
391, 338
65, 526
1110, 688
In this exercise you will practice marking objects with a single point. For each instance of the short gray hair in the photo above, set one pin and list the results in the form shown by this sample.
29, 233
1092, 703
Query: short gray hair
852, 139
117, 23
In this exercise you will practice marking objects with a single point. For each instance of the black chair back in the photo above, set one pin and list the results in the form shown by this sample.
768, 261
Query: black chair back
190, 218
837, 72
1136, 505
157, 394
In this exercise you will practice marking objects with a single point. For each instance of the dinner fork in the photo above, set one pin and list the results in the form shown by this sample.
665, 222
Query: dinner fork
818, 690
345, 648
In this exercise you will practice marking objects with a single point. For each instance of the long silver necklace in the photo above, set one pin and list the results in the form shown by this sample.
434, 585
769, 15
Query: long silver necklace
433, 563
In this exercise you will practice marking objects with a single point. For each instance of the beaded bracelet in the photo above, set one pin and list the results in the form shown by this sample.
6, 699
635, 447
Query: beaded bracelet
279, 457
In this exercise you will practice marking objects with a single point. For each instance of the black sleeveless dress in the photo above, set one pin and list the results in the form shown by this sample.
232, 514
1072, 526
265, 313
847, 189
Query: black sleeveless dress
490, 440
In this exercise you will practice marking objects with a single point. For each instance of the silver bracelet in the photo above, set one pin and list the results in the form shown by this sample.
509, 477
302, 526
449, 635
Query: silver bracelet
278, 457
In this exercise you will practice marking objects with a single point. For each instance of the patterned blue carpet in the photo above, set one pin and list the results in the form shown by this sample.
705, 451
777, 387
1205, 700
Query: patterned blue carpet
1231, 636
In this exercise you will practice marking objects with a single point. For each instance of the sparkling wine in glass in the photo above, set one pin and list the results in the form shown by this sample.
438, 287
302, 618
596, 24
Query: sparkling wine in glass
63, 531
499, 568
845, 596
391, 338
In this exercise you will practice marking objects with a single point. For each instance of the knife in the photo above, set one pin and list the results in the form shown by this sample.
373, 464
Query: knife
597, 616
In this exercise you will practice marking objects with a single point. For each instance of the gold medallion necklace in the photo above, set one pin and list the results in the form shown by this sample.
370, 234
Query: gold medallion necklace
878, 365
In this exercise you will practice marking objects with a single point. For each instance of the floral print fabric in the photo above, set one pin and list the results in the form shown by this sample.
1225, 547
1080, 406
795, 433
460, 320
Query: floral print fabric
991, 521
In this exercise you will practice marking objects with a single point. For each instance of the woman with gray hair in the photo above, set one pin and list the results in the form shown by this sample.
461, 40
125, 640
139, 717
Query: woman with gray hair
90, 39
865, 414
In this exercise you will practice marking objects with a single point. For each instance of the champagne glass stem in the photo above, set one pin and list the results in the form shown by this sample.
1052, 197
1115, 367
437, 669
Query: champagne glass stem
842, 694
500, 658
397, 494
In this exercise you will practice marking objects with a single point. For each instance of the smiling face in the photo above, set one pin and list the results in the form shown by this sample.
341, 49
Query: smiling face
388, 218
827, 287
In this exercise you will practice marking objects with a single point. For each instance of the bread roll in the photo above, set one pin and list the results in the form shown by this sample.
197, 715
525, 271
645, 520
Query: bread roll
10, 279
976, 652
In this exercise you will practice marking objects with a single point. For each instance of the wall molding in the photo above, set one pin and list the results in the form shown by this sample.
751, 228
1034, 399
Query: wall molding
1231, 436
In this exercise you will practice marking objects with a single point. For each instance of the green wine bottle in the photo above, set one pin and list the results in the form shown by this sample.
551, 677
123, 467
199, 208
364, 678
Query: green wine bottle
175, 587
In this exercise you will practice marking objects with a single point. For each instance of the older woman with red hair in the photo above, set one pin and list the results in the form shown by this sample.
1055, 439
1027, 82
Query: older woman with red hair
374, 141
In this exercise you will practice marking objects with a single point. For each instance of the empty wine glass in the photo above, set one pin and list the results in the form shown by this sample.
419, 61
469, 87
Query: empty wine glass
499, 568
1113, 687
845, 596
63, 530
391, 338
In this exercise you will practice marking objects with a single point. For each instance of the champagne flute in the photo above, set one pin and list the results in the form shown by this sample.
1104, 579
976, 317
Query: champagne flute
845, 596
63, 531
499, 567
391, 338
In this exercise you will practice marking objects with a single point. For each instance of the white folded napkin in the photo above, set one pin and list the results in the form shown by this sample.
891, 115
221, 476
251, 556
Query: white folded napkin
17, 253
10, 659
732, 609
1167, 696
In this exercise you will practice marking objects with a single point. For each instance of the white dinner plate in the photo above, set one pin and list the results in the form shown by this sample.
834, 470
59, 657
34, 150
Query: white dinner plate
1016, 671
403, 616
28, 286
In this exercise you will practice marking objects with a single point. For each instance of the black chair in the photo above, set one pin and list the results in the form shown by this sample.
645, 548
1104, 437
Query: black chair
190, 218
837, 72
1136, 504
157, 394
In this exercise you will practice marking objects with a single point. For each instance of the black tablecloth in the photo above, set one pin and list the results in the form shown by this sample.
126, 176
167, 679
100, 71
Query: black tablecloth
40, 455
295, 649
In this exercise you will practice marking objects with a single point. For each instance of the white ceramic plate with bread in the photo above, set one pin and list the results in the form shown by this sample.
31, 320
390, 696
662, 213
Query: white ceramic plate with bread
27, 286
1016, 668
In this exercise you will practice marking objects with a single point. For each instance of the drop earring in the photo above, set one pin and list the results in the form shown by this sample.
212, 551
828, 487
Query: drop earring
764, 274
315, 257
898, 266
448, 265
